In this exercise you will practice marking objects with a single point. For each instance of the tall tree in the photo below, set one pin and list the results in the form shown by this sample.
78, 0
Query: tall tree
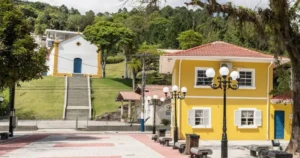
127, 46
189, 39
18, 60
158, 30
75, 23
88, 18
64, 9
106, 35
73, 11
139, 25
135, 66
281, 20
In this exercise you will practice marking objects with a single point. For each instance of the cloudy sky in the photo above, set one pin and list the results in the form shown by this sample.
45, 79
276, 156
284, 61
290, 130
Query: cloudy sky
114, 5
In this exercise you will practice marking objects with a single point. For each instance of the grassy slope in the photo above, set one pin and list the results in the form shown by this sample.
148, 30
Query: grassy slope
105, 92
115, 70
45, 98
42, 98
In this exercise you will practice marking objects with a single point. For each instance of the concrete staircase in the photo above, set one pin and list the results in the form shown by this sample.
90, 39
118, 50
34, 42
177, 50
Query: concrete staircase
78, 98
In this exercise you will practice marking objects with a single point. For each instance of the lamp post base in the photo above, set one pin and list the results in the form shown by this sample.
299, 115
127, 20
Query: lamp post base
175, 137
224, 149
11, 130
153, 129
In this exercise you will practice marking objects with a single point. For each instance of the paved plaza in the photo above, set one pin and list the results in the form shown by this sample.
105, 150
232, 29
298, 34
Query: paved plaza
104, 145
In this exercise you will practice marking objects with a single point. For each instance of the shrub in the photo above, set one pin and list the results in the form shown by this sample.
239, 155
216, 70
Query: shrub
165, 122
115, 59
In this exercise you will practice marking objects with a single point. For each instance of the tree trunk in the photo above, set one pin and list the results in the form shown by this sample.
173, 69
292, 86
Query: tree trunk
294, 144
103, 62
12, 109
125, 67
133, 80
103, 69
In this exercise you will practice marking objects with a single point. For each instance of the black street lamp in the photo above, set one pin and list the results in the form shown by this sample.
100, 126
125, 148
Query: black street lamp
224, 83
175, 94
154, 102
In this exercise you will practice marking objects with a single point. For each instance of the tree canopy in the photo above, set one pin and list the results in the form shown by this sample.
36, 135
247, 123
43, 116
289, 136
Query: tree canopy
189, 39
18, 60
107, 36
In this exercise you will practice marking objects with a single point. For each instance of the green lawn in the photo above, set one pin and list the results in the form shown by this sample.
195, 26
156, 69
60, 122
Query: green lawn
41, 98
105, 92
115, 70
44, 98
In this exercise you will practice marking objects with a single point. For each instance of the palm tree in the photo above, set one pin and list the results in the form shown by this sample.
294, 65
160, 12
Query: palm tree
135, 66
126, 44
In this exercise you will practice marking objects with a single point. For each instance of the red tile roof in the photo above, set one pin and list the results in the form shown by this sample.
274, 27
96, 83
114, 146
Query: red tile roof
282, 97
220, 48
285, 98
128, 95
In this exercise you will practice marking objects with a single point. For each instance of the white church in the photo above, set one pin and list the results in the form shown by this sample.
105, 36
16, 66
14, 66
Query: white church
74, 55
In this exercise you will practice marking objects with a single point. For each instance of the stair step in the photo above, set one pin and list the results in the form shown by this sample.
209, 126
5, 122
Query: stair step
78, 107
77, 75
78, 97
72, 114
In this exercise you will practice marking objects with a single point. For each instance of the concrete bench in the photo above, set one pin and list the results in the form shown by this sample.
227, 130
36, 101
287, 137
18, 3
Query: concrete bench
197, 152
254, 149
278, 154
4, 135
164, 140
180, 146
154, 137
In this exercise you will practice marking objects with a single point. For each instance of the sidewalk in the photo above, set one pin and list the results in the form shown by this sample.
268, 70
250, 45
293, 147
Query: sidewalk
74, 144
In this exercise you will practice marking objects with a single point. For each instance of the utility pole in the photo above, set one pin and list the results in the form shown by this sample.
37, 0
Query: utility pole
143, 56
143, 94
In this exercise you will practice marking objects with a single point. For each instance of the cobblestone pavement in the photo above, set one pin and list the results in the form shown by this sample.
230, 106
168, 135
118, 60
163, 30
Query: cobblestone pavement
92, 145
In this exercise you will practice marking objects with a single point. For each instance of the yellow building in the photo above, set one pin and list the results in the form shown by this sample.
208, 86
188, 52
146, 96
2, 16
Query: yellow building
250, 113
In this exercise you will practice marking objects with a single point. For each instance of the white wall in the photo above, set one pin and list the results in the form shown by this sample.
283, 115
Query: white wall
68, 51
50, 63
160, 113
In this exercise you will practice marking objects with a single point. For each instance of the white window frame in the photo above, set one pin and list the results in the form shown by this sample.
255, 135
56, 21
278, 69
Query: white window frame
253, 78
254, 126
196, 77
209, 120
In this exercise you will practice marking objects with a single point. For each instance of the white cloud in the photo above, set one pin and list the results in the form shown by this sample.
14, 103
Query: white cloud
115, 5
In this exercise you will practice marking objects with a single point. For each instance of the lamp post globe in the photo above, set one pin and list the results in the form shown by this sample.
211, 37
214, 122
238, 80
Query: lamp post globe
162, 99
210, 73
224, 71
166, 90
149, 98
234, 75
155, 97
174, 88
184, 90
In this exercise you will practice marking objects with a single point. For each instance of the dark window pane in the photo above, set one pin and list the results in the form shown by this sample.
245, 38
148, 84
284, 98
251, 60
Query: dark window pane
202, 80
245, 78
